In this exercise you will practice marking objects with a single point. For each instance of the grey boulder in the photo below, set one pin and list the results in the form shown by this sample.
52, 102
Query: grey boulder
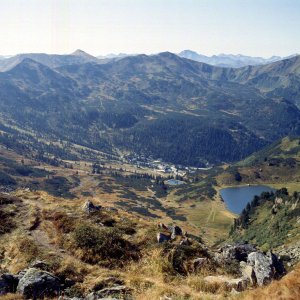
114, 291
175, 231
37, 284
89, 207
238, 252
263, 267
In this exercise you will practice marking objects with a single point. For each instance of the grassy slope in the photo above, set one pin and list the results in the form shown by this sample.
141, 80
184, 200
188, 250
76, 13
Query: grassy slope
277, 165
271, 230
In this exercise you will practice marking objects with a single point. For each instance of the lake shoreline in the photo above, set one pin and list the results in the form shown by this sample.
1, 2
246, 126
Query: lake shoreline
236, 198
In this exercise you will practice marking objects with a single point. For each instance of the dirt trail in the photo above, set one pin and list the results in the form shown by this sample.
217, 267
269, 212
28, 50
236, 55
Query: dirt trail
87, 184
41, 238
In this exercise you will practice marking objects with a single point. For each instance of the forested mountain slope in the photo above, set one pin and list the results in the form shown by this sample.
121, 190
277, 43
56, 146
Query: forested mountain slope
162, 105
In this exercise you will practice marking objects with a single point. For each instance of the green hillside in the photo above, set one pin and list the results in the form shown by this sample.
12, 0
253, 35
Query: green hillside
162, 105
270, 221
277, 165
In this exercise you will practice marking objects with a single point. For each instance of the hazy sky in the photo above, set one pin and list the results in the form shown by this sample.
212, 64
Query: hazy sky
252, 27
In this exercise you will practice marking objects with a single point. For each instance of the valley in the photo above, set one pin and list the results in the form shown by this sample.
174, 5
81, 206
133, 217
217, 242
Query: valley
110, 174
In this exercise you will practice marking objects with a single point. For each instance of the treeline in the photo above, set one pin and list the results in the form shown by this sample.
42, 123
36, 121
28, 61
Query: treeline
243, 220
189, 141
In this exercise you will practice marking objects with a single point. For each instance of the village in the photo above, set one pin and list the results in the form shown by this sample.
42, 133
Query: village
141, 161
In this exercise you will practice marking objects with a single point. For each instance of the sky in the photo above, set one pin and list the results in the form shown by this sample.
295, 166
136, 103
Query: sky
250, 27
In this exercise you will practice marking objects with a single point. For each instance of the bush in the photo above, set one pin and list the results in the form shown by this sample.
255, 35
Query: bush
6, 223
102, 244
180, 257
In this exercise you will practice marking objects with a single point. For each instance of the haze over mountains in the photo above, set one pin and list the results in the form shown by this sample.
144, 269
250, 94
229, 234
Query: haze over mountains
79, 56
229, 60
163, 105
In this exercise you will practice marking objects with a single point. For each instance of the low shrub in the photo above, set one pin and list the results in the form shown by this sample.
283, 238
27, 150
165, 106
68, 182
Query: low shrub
100, 245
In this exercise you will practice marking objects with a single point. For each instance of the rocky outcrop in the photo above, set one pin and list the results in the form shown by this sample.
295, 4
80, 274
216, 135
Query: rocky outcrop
38, 264
248, 272
256, 267
265, 266
89, 207
290, 253
38, 284
198, 263
161, 237
175, 231
114, 291
238, 252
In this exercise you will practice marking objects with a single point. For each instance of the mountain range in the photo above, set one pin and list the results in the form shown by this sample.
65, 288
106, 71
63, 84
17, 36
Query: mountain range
163, 105
230, 60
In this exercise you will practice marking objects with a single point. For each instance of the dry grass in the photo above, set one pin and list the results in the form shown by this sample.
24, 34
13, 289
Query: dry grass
20, 250
11, 297
155, 274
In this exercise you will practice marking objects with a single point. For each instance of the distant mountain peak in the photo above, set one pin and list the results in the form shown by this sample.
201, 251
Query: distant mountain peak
82, 53
228, 60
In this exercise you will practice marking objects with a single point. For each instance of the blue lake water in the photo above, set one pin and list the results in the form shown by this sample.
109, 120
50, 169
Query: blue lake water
236, 198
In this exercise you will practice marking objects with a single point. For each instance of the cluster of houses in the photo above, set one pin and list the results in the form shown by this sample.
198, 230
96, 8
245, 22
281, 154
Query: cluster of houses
141, 161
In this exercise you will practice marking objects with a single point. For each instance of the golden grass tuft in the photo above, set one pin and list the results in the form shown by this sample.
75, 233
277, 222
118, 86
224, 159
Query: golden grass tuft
72, 269
11, 297
20, 251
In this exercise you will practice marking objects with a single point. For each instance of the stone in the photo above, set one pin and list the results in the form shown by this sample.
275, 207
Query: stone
38, 284
239, 284
185, 242
175, 231
291, 253
117, 291
161, 238
89, 207
108, 282
262, 266
162, 226
38, 264
198, 263
237, 252
68, 298
248, 272
8, 283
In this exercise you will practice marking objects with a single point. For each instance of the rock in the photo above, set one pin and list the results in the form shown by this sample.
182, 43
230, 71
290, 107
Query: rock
68, 298
38, 284
8, 283
185, 242
291, 253
237, 252
38, 264
175, 231
239, 284
248, 272
117, 291
261, 265
162, 226
198, 263
161, 237
21, 273
112, 209
108, 282
89, 207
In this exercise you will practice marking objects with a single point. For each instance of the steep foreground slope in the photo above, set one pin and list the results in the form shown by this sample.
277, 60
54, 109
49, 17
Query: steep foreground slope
60, 242
86, 249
